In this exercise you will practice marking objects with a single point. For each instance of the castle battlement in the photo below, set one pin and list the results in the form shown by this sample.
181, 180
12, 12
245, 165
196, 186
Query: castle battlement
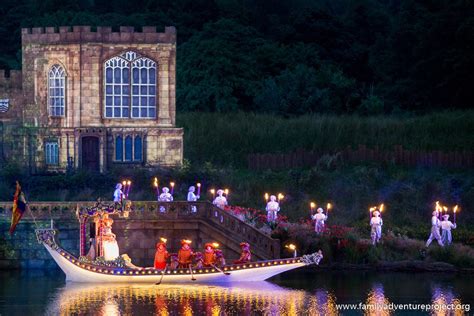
102, 34
14, 81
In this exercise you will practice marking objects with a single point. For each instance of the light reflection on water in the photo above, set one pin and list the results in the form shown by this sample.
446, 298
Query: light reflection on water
301, 292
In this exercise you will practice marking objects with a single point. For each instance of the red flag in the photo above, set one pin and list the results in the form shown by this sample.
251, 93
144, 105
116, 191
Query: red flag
19, 207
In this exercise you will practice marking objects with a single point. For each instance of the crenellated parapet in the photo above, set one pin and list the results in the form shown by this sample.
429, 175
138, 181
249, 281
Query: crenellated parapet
102, 34
13, 81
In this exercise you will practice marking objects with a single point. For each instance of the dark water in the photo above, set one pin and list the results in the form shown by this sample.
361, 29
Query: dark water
300, 292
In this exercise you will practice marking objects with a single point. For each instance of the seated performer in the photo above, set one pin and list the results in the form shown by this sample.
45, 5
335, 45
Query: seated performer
435, 225
319, 219
118, 194
109, 243
192, 198
446, 226
220, 261
128, 262
174, 261
198, 260
220, 201
245, 255
209, 255
165, 197
185, 254
272, 208
161, 255
376, 227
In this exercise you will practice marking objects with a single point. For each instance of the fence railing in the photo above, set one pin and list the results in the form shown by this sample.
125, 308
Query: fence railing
398, 155
219, 219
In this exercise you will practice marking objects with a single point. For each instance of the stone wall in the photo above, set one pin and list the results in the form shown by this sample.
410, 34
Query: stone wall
136, 235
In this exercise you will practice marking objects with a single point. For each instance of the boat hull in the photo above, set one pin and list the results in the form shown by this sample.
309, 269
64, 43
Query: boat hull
240, 273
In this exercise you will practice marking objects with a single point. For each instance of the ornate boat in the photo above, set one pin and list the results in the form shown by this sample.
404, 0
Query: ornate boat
81, 270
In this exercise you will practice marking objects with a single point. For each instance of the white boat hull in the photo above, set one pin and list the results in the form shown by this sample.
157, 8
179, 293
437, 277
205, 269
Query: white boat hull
86, 272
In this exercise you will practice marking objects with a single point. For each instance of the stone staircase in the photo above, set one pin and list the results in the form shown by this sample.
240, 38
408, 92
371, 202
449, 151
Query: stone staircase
137, 234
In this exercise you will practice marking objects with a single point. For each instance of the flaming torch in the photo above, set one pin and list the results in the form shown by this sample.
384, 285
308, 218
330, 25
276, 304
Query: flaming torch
172, 187
292, 247
328, 207
129, 185
266, 197
199, 188
381, 208
157, 187
213, 192
280, 197
312, 206
454, 212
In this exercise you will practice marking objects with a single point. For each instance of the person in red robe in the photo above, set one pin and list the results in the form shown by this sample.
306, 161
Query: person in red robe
209, 255
161, 255
245, 255
185, 254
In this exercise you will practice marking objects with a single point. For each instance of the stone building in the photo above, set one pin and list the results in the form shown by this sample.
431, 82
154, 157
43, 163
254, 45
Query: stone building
91, 98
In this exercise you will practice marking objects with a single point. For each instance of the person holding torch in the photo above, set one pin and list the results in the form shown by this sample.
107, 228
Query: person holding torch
272, 208
376, 224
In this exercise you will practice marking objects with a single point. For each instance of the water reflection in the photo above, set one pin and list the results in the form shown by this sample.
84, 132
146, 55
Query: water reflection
305, 292
444, 298
256, 297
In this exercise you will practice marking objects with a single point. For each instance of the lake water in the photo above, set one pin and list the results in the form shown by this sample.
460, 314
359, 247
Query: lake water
299, 292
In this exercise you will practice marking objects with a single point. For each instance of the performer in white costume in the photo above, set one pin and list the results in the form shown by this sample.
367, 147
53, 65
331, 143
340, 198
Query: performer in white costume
435, 225
272, 208
192, 198
111, 249
320, 218
118, 194
220, 200
376, 223
446, 226
165, 197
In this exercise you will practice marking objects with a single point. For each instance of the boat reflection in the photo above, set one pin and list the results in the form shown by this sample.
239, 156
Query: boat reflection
140, 299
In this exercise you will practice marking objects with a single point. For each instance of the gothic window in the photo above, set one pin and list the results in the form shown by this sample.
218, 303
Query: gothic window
129, 148
57, 91
51, 149
130, 87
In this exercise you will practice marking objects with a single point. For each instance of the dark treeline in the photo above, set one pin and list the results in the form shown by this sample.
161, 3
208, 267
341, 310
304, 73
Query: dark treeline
290, 57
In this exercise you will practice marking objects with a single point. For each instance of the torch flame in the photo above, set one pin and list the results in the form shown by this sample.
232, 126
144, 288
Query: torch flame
124, 182
280, 196
215, 245
329, 206
312, 205
266, 196
129, 182
445, 208
163, 239
212, 191
381, 207
199, 184
226, 191
172, 184
455, 209
187, 241
291, 246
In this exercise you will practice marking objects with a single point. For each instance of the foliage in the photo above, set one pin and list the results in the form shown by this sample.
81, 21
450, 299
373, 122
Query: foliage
290, 57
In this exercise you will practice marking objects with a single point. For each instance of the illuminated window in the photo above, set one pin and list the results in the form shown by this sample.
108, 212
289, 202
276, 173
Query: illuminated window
57, 91
51, 149
130, 86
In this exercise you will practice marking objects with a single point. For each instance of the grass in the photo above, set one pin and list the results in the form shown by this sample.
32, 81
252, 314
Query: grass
227, 138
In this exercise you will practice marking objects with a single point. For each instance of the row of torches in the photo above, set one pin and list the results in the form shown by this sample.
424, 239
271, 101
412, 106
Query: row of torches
442, 209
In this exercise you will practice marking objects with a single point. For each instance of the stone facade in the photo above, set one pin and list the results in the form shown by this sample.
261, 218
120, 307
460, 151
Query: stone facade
84, 131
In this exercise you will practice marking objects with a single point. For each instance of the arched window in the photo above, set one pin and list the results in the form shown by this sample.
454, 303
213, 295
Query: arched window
130, 97
119, 148
57, 91
128, 148
137, 149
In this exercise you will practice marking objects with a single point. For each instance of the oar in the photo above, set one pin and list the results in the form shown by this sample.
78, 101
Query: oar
192, 275
220, 270
162, 274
